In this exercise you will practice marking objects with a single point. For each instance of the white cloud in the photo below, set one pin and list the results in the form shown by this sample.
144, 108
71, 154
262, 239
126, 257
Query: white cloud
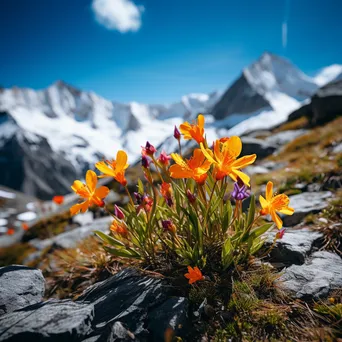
284, 35
120, 15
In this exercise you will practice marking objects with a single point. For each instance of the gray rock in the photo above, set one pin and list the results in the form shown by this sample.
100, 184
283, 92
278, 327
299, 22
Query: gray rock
20, 286
294, 246
271, 165
172, 315
256, 170
316, 278
49, 321
127, 297
337, 148
283, 138
260, 147
72, 238
304, 204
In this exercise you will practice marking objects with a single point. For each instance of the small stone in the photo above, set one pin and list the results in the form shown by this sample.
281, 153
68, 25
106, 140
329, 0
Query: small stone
323, 220
20, 286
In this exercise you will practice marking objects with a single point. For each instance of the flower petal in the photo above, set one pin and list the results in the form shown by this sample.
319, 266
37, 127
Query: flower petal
80, 189
263, 202
185, 130
200, 121
91, 180
121, 160
244, 161
269, 191
241, 175
233, 147
287, 211
102, 192
102, 166
177, 171
276, 219
208, 154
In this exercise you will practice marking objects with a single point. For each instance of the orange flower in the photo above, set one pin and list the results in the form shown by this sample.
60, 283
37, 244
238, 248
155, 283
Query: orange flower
225, 159
194, 274
25, 226
196, 167
166, 191
119, 227
195, 131
58, 199
115, 168
273, 204
10, 231
89, 192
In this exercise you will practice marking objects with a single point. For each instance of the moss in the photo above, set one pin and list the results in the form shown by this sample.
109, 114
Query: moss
15, 254
302, 122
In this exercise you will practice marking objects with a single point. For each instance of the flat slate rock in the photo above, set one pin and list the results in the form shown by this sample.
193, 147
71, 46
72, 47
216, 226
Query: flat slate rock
304, 204
260, 147
20, 286
50, 321
282, 138
294, 247
316, 278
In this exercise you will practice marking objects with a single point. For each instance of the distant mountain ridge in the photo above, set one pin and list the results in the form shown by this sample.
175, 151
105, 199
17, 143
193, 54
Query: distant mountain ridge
79, 127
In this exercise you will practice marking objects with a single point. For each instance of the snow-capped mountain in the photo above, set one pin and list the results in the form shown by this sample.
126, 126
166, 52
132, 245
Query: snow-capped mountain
329, 74
79, 128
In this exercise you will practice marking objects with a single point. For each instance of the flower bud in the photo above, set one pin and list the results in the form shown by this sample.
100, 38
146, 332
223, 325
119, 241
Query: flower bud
280, 233
118, 213
148, 149
176, 133
169, 226
191, 197
145, 162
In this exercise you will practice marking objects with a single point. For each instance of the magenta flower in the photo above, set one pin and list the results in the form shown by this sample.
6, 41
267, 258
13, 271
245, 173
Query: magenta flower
118, 213
148, 149
145, 161
240, 192
191, 197
164, 158
176, 133
280, 233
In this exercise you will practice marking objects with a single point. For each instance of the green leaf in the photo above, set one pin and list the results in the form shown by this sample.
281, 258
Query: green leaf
122, 253
140, 187
260, 230
251, 212
227, 254
109, 239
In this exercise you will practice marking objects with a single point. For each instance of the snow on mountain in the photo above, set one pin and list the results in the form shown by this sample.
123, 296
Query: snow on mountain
328, 74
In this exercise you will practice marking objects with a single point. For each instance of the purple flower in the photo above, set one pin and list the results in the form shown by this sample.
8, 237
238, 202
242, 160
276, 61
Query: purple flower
138, 197
176, 133
169, 226
240, 192
191, 197
145, 162
118, 213
148, 149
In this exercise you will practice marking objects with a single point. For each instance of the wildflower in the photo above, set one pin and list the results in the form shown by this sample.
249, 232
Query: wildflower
196, 167
119, 227
145, 162
58, 199
168, 225
280, 233
240, 192
118, 213
148, 149
10, 231
115, 168
195, 131
89, 192
25, 226
176, 133
225, 159
194, 274
144, 202
191, 197
164, 158
166, 191
273, 204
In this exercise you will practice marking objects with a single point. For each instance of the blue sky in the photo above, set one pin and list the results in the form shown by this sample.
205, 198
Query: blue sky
155, 51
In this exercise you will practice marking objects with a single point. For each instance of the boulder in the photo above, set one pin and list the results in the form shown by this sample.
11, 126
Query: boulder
50, 321
260, 147
304, 204
294, 247
316, 278
20, 286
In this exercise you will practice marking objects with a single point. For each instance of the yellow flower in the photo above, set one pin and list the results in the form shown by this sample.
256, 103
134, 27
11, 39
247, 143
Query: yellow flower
195, 131
89, 192
196, 167
225, 159
120, 228
273, 204
115, 168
